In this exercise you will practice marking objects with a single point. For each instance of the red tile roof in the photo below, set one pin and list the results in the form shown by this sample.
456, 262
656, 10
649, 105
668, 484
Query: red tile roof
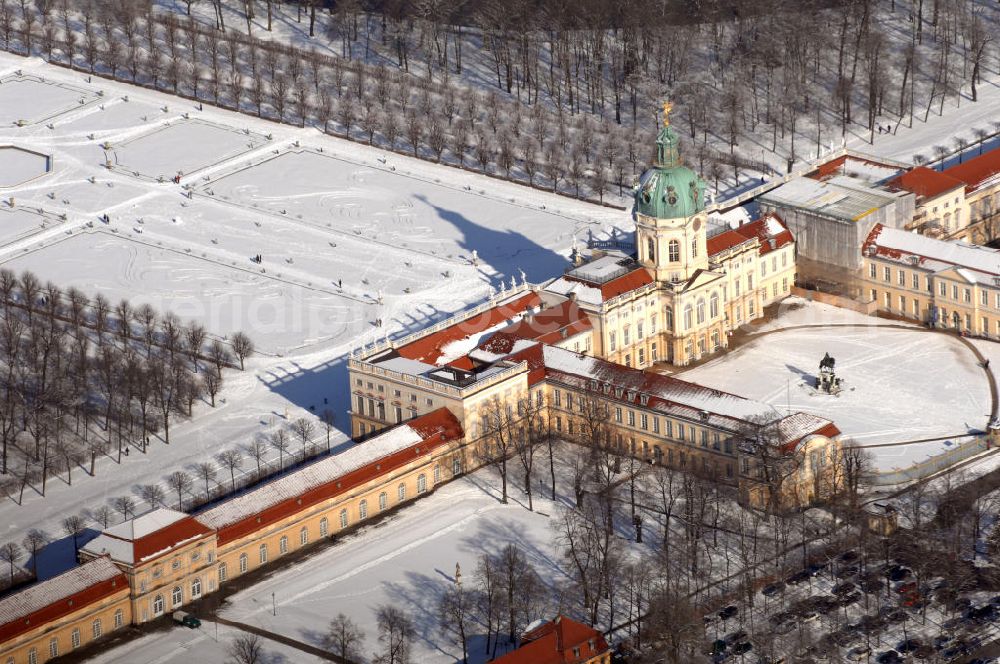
429, 348
756, 229
977, 170
834, 166
52, 599
547, 326
437, 428
553, 643
535, 357
829, 430
925, 182
619, 285
149, 546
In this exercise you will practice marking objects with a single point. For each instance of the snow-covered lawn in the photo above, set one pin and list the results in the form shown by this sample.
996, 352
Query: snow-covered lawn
899, 385
184, 146
33, 100
316, 295
407, 561
181, 644
18, 166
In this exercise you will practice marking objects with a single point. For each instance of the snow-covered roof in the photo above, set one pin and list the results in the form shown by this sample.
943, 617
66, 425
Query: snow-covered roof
331, 469
933, 254
145, 524
146, 537
680, 398
581, 291
840, 197
43, 602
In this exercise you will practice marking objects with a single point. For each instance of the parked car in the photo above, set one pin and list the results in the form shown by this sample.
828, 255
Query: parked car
773, 589
983, 614
728, 612
736, 637
905, 588
844, 588
897, 573
742, 648
718, 647
849, 556
909, 645
889, 657
798, 577
186, 619
852, 598
847, 572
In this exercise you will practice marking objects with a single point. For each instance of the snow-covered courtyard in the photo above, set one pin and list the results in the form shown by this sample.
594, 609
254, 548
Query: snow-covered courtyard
900, 385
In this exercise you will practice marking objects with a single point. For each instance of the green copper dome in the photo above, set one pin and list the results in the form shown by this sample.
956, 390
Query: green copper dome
669, 190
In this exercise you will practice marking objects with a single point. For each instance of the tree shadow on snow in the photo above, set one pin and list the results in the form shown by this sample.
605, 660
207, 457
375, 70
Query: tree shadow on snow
506, 250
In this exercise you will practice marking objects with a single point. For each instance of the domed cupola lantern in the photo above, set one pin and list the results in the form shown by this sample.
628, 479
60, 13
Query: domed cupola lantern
669, 211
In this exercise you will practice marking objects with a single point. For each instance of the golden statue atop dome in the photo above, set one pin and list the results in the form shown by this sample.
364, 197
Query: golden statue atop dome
667, 107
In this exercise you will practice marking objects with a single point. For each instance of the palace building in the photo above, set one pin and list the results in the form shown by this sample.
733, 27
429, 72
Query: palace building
587, 339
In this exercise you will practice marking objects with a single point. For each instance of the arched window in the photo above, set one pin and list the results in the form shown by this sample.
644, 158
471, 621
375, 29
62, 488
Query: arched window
158, 605
713, 307
651, 249
363, 509
668, 315
421, 483
324, 527
701, 311
437, 474
176, 596
343, 519
222, 572
283, 544
243, 563
694, 247
196, 588
401, 492
383, 501
96, 627
674, 251
119, 618
688, 317
303, 536
263, 553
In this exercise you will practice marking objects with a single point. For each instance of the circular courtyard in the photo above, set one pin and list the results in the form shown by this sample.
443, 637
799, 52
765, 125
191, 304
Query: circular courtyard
899, 385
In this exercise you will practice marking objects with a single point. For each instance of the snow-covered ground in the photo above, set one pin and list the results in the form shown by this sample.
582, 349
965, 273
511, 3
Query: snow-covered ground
899, 385
348, 235
181, 644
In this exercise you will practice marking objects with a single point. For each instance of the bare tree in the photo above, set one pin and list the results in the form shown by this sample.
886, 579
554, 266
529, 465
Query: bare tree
73, 525
496, 444
327, 417
395, 631
34, 542
343, 638
246, 648
243, 347
123, 505
257, 450
455, 616
279, 441
303, 428
180, 482
11, 553
152, 494
205, 471
231, 460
